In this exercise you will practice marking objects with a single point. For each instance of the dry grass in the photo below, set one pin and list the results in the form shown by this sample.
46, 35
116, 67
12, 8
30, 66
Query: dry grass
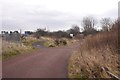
47, 38
48, 41
70, 41
10, 49
52, 41
100, 50
29, 41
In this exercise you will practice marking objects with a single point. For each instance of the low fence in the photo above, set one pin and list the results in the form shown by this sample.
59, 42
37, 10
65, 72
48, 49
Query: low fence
11, 37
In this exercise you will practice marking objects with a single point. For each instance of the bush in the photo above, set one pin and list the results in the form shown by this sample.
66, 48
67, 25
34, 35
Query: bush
60, 42
63, 42
51, 45
57, 42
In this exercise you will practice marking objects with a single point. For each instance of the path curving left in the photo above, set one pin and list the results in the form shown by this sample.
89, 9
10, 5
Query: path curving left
45, 63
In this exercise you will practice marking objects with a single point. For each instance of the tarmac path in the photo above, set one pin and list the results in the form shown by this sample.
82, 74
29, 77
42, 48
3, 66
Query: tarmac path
44, 63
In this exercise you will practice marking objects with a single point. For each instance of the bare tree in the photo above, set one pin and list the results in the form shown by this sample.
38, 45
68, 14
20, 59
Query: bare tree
89, 23
105, 22
39, 33
74, 30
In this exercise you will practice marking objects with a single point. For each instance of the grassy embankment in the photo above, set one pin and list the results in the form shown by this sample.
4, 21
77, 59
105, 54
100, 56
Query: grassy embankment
95, 53
10, 49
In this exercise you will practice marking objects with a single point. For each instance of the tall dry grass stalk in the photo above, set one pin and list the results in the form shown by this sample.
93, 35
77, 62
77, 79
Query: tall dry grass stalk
103, 39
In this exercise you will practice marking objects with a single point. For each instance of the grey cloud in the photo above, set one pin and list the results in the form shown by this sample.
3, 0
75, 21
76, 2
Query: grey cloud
113, 13
35, 16
16, 16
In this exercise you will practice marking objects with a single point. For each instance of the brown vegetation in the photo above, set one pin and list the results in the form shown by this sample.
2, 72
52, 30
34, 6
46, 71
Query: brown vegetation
97, 52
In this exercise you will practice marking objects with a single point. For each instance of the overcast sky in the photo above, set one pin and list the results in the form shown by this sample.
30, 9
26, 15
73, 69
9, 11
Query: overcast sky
53, 14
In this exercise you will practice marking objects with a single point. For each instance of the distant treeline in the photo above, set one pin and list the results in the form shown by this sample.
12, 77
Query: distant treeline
88, 26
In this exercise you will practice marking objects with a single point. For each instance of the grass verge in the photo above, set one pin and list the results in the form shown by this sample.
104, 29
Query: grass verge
10, 49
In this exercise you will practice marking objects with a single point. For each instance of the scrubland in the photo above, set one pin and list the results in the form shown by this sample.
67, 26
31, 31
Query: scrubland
97, 54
